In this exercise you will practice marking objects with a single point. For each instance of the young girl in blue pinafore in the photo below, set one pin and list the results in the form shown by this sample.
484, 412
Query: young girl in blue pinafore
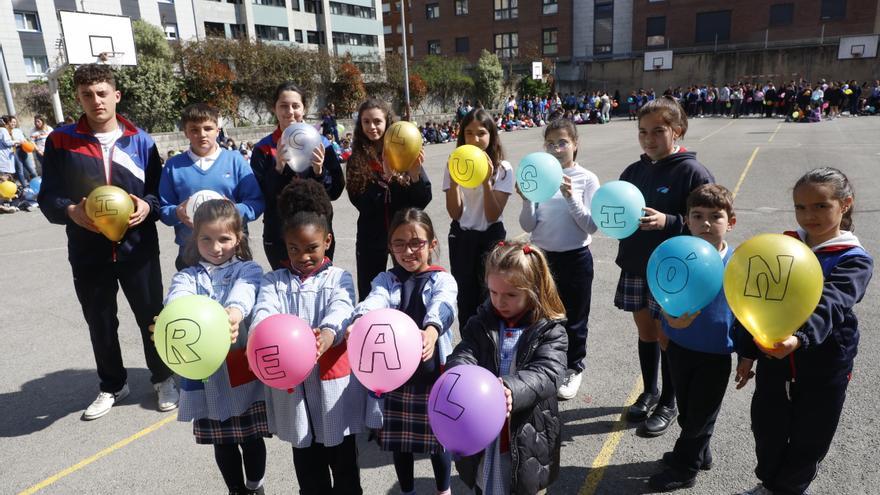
427, 294
800, 384
227, 410
320, 416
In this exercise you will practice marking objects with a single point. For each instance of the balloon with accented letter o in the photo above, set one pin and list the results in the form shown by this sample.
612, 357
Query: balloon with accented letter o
196, 200
282, 350
773, 283
300, 140
616, 208
384, 349
466, 409
468, 166
110, 207
402, 145
539, 176
684, 274
192, 336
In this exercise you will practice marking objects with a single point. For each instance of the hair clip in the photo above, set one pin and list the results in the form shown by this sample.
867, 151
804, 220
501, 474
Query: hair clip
501, 243
527, 249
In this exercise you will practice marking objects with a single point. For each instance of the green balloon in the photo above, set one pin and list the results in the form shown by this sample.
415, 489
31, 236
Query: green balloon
340, 129
192, 336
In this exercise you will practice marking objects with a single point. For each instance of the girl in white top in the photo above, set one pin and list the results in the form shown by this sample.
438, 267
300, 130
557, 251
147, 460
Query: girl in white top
476, 213
39, 134
561, 226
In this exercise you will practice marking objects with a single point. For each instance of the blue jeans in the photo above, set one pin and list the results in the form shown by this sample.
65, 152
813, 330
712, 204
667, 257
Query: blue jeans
24, 163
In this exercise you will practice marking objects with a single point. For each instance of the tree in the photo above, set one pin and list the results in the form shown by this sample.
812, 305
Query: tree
529, 86
347, 91
418, 90
444, 77
488, 78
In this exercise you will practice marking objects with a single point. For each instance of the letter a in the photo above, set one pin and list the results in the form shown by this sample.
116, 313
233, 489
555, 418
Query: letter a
379, 341
180, 336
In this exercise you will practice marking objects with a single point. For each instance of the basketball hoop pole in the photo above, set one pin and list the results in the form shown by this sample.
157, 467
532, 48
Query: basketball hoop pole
52, 76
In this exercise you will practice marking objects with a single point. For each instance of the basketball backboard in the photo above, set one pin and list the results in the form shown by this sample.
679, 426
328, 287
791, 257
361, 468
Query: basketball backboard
857, 47
97, 38
661, 60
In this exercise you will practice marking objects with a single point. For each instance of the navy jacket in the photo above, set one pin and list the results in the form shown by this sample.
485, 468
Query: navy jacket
73, 165
666, 185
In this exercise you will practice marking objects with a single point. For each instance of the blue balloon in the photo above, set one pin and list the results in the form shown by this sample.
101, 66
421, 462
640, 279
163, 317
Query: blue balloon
35, 184
616, 208
539, 176
685, 274
30, 194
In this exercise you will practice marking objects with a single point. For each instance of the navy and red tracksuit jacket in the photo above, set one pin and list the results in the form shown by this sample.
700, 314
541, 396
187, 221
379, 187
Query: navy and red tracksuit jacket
73, 165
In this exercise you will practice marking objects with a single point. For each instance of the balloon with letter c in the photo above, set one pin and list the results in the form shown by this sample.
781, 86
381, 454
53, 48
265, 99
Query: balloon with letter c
300, 140
192, 336
196, 200
468, 166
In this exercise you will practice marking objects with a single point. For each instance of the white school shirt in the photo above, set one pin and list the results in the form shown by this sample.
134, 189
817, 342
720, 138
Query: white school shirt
108, 140
473, 214
204, 162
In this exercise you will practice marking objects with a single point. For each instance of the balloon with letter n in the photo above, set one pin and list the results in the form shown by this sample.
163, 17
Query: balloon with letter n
617, 207
192, 336
384, 349
684, 274
539, 176
773, 283
282, 351
110, 208
468, 166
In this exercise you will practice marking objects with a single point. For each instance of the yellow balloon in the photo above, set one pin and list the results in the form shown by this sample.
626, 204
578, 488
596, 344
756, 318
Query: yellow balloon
773, 283
110, 208
403, 142
468, 166
8, 189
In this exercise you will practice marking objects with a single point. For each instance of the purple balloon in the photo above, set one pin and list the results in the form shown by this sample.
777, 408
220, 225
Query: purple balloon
466, 409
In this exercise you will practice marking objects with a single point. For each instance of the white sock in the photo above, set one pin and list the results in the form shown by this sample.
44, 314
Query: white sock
253, 485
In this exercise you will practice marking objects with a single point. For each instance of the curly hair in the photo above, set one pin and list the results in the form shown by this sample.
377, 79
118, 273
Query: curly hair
358, 173
89, 74
305, 202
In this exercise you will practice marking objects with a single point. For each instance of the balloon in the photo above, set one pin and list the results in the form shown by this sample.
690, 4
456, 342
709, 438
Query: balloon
614, 104
727, 104
468, 166
824, 105
616, 208
300, 140
384, 349
685, 274
282, 351
192, 336
28, 147
539, 176
847, 91
35, 184
196, 200
30, 195
8, 189
795, 115
466, 409
340, 129
110, 208
773, 283
403, 142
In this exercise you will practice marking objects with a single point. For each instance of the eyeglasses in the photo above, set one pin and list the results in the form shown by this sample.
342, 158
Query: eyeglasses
414, 245
561, 145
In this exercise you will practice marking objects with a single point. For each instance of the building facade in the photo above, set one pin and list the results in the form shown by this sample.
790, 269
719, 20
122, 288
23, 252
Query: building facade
30, 33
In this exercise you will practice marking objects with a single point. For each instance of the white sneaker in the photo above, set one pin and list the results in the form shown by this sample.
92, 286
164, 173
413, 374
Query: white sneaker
757, 490
570, 386
103, 403
168, 395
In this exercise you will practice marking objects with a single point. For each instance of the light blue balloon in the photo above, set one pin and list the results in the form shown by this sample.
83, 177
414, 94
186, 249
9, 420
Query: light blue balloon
539, 176
616, 208
685, 274
35, 184
30, 194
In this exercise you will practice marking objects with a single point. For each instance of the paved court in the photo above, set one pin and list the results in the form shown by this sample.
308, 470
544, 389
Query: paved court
49, 376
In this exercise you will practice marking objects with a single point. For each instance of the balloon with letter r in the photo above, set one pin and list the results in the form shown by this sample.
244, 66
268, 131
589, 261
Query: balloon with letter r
616, 208
192, 336
684, 274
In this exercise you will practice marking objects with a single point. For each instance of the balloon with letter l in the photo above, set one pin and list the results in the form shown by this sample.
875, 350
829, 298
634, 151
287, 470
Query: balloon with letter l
402, 145
192, 336
468, 166
384, 349
684, 274
539, 176
616, 208
110, 207
773, 283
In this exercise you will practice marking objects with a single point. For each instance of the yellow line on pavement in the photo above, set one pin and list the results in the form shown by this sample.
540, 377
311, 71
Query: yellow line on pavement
716, 131
109, 450
742, 176
774, 132
597, 470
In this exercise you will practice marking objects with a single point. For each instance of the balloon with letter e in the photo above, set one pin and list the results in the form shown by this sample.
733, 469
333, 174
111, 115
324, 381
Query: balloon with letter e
684, 274
384, 349
192, 336
616, 208
282, 350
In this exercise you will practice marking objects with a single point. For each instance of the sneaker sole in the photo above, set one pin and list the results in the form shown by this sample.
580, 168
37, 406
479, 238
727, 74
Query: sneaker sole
167, 408
119, 398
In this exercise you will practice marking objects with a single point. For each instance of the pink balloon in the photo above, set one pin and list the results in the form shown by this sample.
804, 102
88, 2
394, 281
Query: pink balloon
282, 351
384, 348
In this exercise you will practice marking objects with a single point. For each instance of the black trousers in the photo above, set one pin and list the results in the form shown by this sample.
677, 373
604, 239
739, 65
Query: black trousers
467, 256
793, 429
276, 251
371, 261
573, 273
700, 380
314, 465
96, 287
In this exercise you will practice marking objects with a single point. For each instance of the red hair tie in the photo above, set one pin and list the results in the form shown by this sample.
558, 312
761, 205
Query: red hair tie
501, 243
527, 249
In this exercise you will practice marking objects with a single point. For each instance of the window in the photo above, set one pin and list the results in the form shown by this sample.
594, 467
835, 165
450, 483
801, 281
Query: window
461, 7
314, 6
27, 21
656, 31
215, 30
298, 35
603, 28
551, 7
354, 39
312, 37
387, 29
35, 66
781, 14
507, 45
237, 31
550, 41
336, 8
833, 9
170, 31
713, 26
271, 33
434, 47
386, 8
462, 45
506, 9
294, 4
270, 3
432, 11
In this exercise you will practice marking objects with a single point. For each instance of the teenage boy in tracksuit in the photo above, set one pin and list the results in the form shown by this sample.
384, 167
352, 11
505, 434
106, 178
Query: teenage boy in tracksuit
103, 148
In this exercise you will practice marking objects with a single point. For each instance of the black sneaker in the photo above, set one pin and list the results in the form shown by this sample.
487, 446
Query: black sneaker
658, 422
669, 460
642, 407
671, 479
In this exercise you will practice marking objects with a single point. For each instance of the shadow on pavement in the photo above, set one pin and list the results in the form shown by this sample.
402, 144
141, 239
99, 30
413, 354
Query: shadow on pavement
631, 479
571, 428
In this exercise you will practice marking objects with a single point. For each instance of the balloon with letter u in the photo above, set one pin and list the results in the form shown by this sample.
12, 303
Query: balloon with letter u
402, 145
684, 274
466, 409
773, 283
110, 207
282, 350
192, 336
468, 166
197, 199
616, 208
384, 349
300, 140
539, 176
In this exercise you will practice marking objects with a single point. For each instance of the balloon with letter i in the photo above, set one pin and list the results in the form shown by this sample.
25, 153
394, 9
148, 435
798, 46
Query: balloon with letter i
110, 208
468, 166
384, 349
617, 207
192, 336
282, 350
